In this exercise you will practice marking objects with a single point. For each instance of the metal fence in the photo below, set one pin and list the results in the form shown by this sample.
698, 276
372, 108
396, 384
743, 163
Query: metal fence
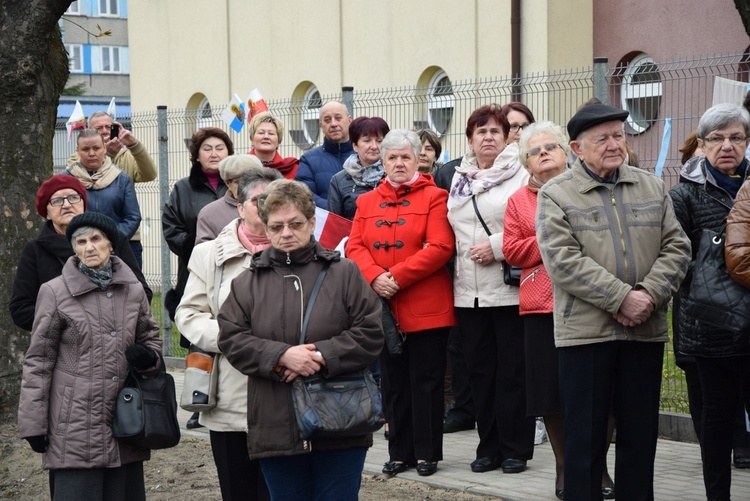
669, 95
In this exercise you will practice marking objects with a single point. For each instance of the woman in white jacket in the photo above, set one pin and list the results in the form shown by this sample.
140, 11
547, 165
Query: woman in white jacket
213, 265
490, 327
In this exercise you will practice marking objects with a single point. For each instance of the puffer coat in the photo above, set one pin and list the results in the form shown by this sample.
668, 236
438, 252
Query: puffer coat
76, 364
738, 237
699, 203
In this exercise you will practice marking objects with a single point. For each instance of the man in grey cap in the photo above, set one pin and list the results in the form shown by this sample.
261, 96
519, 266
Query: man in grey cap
616, 254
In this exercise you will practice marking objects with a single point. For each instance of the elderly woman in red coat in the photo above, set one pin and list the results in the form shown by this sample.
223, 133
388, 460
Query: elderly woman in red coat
401, 240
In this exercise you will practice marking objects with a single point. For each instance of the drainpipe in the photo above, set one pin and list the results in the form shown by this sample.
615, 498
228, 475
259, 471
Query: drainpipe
515, 49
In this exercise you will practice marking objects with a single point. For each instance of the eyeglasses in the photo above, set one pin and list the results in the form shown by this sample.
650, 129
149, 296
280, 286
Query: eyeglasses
517, 127
717, 140
59, 201
294, 226
549, 148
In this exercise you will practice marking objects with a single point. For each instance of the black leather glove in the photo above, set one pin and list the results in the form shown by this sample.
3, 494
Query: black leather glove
140, 356
38, 443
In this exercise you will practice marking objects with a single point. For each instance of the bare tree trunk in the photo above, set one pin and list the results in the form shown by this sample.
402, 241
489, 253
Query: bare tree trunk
743, 7
33, 72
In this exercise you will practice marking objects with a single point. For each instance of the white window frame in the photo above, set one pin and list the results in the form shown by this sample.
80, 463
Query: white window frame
70, 48
111, 50
203, 114
74, 9
631, 89
312, 103
438, 99
108, 4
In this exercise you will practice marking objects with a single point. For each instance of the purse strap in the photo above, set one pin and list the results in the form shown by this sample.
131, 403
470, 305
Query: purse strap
311, 302
481, 219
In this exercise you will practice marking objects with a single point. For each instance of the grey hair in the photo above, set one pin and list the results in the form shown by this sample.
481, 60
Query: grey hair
234, 166
400, 138
254, 178
537, 128
98, 114
721, 116
83, 231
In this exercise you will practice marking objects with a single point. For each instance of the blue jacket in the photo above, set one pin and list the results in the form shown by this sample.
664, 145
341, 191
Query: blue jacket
117, 201
318, 166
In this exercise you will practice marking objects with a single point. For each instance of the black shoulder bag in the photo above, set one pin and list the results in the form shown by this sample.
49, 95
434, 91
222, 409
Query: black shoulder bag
511, 274
344, 405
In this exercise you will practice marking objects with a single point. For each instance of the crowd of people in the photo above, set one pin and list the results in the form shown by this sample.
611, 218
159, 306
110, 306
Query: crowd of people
601, 247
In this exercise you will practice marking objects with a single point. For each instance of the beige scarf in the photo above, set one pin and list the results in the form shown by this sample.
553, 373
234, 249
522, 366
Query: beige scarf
99, 179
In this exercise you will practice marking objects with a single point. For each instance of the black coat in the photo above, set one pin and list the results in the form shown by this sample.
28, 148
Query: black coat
42, 259
698, 204
179, 220
343, 193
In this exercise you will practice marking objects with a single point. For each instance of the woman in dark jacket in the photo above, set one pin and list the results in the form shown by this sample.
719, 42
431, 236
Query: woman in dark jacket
401, 241
702, 200
259, 330
93, 321
208, 147
59, 199
363, 170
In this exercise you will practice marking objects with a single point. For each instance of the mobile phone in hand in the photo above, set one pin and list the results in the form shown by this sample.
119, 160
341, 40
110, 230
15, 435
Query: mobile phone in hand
114, 131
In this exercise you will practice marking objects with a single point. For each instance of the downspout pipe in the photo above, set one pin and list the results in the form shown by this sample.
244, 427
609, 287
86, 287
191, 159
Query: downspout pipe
515, 49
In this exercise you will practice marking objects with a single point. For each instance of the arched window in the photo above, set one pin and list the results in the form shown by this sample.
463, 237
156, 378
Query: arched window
203, 114
640, 93
304, 123
440, 102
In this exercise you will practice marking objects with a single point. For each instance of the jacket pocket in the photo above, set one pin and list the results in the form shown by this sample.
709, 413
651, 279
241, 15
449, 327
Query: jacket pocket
60, 408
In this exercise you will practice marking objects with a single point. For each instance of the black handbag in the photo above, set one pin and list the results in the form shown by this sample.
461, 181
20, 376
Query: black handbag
145, 413
511, 274
344, 405
394, 336
714, 298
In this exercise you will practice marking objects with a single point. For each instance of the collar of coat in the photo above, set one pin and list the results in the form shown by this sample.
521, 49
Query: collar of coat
313, 251
585, 183
198, 180
79, 284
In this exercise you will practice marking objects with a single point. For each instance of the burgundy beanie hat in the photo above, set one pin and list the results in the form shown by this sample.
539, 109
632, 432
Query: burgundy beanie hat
53, 184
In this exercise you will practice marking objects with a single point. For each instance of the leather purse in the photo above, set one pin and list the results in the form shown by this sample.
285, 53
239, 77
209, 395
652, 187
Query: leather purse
200, 385
511, 274
344, 405
394, 336
145, 414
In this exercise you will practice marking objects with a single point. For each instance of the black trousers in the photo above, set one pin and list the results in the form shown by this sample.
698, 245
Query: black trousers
624, 376
724, 382
413, 395
493, 344
463, 408
124, 483
240, 478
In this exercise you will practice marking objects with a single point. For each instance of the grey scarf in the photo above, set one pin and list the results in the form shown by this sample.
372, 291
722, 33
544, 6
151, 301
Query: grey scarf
101, 277
369, 176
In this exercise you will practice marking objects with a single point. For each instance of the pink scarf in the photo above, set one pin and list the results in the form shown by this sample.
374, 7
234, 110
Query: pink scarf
250, 241
411, 181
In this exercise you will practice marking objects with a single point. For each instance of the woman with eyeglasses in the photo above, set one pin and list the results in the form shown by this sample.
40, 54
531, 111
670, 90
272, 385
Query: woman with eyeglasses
543, 152
58, 200
213, 265
490, 328
401, 241
702, 200
259, 333
519, 117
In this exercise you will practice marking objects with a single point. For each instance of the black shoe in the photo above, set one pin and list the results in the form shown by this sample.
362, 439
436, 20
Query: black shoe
451, 425
559, 494
394, 467
193, 423
742, 462
480, 465
608, 492
513, 465
426, 468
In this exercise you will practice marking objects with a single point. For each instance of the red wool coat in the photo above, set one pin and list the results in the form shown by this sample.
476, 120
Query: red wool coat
407, 233
520, 248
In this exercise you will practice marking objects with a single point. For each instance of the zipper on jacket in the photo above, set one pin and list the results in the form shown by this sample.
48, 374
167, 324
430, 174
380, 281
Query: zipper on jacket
288, 258
530, 276
622, 240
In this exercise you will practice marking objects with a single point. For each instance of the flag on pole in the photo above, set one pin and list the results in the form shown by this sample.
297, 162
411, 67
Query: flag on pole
112, 110
234, 114
76, 120
330, 228
254, 104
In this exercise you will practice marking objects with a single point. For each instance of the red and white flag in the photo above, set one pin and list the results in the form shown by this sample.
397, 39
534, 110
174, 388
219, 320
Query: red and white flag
76, 120
330, 228
254, 104
112, 110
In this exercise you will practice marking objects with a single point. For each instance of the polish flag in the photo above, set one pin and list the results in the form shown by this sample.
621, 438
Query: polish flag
330, 228
254, 104
76, 121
